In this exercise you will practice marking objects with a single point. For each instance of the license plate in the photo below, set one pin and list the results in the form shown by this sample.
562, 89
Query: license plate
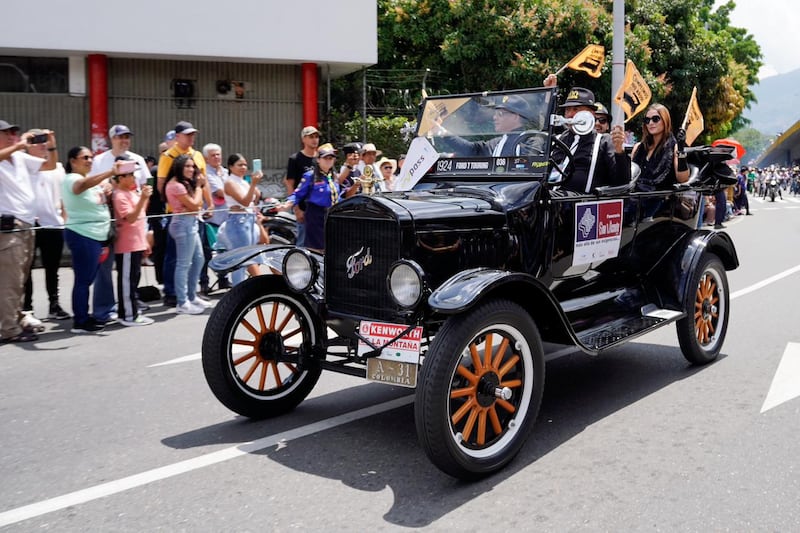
392, 372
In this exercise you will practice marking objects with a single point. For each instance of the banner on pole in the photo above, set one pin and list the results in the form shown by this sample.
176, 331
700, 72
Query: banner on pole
693, 123
590, 60
634, 94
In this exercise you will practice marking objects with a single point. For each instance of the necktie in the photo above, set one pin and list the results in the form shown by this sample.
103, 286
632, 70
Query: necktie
499, 148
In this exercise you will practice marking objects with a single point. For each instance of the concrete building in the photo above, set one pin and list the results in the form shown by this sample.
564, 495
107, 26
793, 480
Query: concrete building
249, 76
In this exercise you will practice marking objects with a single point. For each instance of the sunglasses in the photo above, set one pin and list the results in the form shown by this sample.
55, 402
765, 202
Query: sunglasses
654, 119
602, 121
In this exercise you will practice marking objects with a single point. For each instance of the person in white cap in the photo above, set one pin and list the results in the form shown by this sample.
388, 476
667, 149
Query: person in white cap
299, 163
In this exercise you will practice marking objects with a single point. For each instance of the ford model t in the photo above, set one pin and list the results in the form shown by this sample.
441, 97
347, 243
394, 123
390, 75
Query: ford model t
452, 284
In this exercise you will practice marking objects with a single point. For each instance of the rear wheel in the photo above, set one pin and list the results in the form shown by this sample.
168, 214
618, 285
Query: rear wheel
252, 348
702, 332
480, 389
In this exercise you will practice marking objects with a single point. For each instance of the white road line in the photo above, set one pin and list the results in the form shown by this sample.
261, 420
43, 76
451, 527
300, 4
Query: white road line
785, 385
33, 510
184, 359
763, 283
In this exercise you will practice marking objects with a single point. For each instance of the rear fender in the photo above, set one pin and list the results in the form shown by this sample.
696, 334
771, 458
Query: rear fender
469, 287
717, 243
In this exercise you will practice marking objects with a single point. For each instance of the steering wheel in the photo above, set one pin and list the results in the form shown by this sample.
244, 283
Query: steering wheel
523, 138
568, 159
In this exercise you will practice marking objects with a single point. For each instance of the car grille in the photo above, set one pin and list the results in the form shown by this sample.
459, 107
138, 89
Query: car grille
360, 290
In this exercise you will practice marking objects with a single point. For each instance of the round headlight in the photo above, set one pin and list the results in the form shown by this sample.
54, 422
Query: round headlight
299, 270
405, 283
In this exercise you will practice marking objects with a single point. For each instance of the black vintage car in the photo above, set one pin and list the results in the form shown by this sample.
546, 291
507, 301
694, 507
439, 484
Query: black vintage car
451, 283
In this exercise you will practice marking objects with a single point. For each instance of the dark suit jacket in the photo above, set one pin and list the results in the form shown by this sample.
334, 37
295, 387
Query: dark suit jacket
611, 168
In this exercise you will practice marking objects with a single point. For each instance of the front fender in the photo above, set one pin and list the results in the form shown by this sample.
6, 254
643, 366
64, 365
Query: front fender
465, 288
233, 259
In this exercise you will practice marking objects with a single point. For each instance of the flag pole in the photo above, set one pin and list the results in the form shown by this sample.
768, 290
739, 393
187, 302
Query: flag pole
618, 64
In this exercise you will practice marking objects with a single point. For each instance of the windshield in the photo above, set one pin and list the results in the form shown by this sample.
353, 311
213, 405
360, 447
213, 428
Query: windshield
489, 132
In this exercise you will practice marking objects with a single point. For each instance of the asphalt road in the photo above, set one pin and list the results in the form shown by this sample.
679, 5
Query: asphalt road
119, 432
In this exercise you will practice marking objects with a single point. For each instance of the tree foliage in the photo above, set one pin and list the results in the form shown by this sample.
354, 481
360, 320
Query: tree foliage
475, 45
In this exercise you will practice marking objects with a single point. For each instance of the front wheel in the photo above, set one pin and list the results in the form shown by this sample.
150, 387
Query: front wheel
256, 348
703, 330
480, 389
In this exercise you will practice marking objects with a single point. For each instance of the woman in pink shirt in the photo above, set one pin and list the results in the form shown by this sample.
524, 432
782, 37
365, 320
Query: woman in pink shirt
130, 244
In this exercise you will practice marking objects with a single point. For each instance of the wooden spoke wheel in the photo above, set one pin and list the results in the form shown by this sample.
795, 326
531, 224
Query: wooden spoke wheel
702, 332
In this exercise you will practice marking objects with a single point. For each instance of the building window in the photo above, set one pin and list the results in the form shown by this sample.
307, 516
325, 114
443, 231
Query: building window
33, 74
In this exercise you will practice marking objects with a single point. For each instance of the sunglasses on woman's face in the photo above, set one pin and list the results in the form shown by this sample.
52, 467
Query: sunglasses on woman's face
655, 119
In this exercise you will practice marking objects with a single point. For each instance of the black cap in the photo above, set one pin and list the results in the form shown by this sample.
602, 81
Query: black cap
600, 109
516, 104
351, 148
184, 127
579, 96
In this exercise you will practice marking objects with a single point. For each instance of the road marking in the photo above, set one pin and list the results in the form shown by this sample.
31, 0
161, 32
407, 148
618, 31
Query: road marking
33, 510
184, 359
763, 283
786, 383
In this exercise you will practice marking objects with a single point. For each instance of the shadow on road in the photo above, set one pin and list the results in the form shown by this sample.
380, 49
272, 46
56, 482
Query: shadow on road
382, 451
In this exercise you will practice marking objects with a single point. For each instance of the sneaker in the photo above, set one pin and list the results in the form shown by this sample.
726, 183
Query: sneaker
26, 335
110, 319
189, 308
170, 301
90, 326
29, 321
142, 306
57, 313
201, 302
140, 320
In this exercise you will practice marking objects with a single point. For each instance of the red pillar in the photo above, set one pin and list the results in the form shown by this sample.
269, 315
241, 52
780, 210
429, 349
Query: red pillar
98, 102
310, 83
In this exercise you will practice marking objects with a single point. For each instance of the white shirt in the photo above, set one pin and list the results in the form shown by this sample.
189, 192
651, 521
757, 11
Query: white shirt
47, 189
17, 197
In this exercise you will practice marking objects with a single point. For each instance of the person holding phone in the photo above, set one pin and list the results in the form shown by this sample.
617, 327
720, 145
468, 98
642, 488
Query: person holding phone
17, 217
240, 197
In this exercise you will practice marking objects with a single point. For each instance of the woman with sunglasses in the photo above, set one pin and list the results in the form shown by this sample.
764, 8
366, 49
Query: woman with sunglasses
320, 189
657, 154
86, 230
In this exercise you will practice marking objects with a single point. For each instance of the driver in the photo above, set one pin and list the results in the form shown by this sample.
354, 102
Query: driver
511, 118
598, 159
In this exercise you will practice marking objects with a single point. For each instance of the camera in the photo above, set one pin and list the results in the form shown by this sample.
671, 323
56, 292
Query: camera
38, 139
126, 167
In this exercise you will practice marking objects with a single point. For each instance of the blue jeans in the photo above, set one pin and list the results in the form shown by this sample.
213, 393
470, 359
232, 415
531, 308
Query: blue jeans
237, 232
103, 302
168, 272
188, 256
301, 234
85, 264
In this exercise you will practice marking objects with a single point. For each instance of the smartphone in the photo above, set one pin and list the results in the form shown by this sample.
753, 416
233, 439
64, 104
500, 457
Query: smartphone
127, 167
256, 165
38, 139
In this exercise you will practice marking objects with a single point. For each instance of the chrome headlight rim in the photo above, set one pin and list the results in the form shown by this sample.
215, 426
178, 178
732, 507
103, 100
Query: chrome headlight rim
418, 273
309, 262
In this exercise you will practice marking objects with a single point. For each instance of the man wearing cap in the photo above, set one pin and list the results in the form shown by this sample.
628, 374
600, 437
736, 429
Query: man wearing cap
602, 118
300, 163
103, 302
184, 142
369, 155
597, 159
18, 216
512, 115
349, 171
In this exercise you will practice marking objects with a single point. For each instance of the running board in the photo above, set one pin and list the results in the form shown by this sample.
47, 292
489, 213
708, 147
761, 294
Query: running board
624, 329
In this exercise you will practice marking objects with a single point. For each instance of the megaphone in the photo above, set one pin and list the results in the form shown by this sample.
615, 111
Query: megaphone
582, 123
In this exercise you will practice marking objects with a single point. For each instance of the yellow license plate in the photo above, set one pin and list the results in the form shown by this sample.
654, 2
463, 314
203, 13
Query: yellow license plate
392, 372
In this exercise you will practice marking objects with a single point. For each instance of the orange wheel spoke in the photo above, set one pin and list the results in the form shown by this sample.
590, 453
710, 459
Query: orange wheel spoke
286, 321
276, 374
244, 358
261, 322
460, 393
505, 405
487, 354
262, 382
251, 329
495, 420
511, 384
476, 359
274, 317
463, 410
291, 367
466, 374
243, 342
482, 427
511, 363
501, 351
467, 431
252, 370
291, 334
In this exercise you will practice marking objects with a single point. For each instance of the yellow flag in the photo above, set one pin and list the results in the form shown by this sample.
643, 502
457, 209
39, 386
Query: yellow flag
634, 94
693, 123
590, 60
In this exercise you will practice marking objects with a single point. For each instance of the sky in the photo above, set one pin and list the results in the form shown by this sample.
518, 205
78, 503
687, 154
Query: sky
775, 26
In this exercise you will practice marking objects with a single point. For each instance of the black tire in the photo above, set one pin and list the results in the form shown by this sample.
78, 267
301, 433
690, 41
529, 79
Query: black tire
702, 332
465, 430
269, 380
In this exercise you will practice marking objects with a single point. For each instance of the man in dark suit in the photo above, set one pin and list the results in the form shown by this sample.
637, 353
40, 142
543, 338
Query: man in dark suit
597, 159
512, 116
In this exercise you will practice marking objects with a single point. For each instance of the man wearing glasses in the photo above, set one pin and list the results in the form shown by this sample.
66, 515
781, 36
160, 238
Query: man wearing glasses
18, 216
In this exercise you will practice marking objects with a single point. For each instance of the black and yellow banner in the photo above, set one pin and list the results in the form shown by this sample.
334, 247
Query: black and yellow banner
634, 94
693, 122
590, 60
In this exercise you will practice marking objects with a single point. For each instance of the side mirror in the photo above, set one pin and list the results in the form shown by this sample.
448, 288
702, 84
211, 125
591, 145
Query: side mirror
582, 123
